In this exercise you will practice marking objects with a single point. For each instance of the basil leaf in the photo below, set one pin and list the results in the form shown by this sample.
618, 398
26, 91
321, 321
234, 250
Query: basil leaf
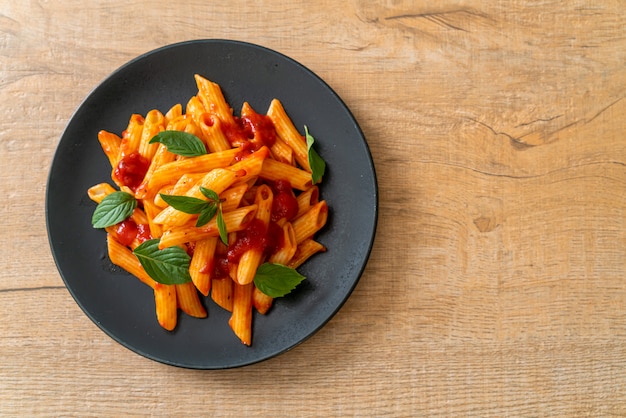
221, 227
318, 166
113, 209
207, 214
190, 205
181, 143
167, 266
210, 194
276, 280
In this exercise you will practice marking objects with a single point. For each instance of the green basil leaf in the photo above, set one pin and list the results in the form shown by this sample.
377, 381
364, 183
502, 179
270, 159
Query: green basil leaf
221, 226
318, 165
207, 214
190, 205
113, 209
181, 143
210, 194
276, 280
167, 266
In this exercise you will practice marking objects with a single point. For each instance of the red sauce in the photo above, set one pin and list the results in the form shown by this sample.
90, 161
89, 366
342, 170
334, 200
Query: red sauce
250, 133
131, 170
285, 204
128, 230
256, 236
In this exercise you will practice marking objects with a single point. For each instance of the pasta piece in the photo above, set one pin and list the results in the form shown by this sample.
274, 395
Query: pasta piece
123, 257
99, 191
188, 300
233, 196
174, 112
250, 166
222, 292
251, 259
110, 144
213, 100
241, 319
161, 156
217, 180
202, 263
312, 221
286, 252
154, 123
261, 302
170, 173
307, 199
212, 129
235, 220
289, 134
275, 170
132, 136
306, 249
166, 305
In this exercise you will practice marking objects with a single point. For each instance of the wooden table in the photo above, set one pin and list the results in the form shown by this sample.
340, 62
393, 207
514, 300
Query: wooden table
497, 282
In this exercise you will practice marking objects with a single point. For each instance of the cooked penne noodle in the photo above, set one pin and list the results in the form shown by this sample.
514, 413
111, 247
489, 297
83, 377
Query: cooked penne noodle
275, 170
251, 259
222, 292
288, 133
307, 199
217, 180
250, 166
235, 220
123, 257
212, 97
161, 156
286, 252
170, 173
110, 144
174, 112
99, 191
261, 302
166, 305
241, 319
306, 249
202, 264
212, 129
232, 197
188, 300
132, 136
312, 221
154, 123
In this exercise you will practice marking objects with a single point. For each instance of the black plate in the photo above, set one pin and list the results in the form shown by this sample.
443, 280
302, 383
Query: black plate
122, 306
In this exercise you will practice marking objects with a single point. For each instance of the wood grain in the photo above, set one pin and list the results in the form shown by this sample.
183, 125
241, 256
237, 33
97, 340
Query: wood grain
497, 282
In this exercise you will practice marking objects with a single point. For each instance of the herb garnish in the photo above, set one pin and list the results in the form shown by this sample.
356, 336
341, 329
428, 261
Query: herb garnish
181, 143
276, 280
113, 209
168, 266
205, 209
318, 166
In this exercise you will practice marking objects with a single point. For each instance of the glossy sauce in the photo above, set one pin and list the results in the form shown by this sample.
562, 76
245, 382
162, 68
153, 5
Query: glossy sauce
249, 133
131, 170
128, 230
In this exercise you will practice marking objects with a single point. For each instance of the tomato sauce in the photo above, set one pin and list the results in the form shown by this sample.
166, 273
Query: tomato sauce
284, 204
249, 133
131, 170
128, 230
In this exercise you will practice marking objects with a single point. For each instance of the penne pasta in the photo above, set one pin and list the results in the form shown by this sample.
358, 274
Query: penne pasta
166, 305
312, 221
241, 318
202, 264
275, 170
259, 183
288, 133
